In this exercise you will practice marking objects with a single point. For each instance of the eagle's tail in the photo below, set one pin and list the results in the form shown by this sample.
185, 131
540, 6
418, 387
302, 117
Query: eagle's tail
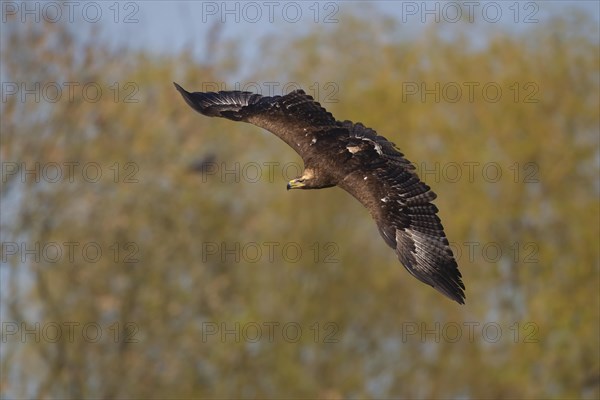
222, 104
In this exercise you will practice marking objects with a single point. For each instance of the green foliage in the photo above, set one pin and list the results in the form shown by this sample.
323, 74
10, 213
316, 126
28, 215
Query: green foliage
368, 329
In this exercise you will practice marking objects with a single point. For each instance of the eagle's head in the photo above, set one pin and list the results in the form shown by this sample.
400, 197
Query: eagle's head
310, 179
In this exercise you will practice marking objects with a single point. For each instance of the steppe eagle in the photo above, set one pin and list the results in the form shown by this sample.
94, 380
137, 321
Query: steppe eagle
358, 160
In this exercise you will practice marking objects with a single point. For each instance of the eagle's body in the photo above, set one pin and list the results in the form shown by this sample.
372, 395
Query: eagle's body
356, 159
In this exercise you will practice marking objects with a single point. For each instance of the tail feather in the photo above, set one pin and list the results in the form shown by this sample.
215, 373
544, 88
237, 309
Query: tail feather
221, 104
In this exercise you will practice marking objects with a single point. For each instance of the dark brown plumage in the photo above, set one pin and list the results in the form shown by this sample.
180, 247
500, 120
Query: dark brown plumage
364, 164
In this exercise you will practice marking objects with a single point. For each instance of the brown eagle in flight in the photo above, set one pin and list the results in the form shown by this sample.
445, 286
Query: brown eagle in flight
361, 162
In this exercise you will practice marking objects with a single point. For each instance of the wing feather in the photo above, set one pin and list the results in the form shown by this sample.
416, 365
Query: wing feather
295, 118
386, 183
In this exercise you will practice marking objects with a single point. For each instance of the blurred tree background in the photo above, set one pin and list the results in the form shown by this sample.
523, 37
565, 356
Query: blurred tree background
154, 281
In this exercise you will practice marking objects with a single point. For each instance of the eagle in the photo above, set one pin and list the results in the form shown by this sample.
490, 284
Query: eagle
355, 158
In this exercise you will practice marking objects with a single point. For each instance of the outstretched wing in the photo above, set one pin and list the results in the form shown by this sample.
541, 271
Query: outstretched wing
295, 118
379, 176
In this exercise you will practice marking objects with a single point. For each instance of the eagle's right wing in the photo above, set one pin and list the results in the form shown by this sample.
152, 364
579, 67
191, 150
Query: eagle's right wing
379, 176
295, 118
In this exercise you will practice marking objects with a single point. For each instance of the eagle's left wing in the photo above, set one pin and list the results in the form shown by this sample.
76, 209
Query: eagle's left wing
296, 118
379, 176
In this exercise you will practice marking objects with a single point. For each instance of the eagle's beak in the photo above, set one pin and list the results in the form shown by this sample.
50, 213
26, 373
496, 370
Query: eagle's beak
295, 184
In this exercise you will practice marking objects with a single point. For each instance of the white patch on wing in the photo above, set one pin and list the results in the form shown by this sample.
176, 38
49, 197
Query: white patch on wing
385, 199
418, 251
378, 148
365, 178
375, 144
313, 141
353, 149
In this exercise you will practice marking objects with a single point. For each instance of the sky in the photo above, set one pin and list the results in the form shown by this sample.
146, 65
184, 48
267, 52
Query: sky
167, 27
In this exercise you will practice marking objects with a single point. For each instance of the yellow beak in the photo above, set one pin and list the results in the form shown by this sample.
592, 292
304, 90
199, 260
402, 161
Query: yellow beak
295, 184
